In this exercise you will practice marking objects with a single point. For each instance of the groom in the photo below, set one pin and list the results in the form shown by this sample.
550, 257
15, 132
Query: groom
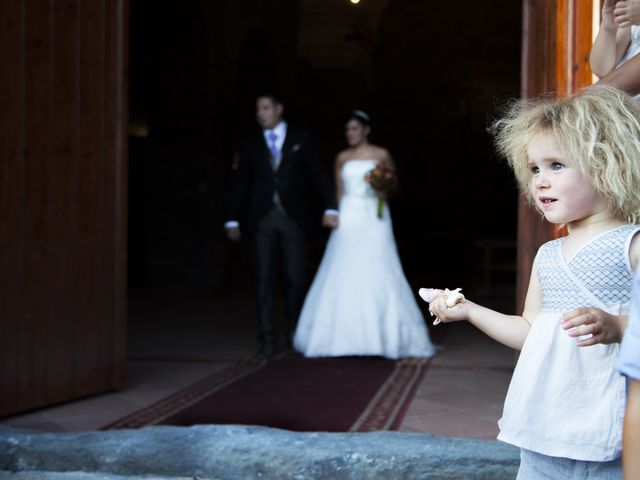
278, 168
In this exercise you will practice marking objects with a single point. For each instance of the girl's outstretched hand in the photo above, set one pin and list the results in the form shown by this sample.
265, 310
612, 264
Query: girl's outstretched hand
446, 305
603, 327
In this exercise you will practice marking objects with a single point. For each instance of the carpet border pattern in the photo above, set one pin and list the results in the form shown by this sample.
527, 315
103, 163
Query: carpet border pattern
388, 407
158, 411
384, 411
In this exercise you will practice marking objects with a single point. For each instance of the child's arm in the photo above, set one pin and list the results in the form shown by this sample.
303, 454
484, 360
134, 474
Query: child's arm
631, 435
634, 252
511, 330
610, 44
626, 77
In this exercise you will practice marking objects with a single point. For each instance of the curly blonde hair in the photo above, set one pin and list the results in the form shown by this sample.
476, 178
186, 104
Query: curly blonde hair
598, 128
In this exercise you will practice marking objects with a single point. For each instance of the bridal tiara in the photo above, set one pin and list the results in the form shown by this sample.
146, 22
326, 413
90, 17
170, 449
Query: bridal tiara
361, 114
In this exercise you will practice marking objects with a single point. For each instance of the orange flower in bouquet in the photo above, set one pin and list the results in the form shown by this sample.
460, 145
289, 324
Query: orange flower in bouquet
385, 183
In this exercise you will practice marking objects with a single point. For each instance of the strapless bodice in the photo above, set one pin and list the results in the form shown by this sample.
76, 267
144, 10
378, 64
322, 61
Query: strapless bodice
353, 173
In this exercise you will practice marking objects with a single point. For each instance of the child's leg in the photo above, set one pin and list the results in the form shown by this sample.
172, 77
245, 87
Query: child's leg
536, 466
627, 13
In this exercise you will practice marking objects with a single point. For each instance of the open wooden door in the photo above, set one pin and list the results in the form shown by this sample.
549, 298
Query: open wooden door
62, 199
557, 38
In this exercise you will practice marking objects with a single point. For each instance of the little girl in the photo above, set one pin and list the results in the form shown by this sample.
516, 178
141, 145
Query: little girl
578, 160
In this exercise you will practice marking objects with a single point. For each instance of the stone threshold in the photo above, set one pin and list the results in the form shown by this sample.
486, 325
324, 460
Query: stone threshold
237, 452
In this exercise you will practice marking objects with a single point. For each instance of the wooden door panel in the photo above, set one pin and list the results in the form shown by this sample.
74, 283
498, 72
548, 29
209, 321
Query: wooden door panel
11, 146
62, 218
556, 42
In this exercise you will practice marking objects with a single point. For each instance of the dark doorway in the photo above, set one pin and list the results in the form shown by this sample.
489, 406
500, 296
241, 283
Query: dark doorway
431, 85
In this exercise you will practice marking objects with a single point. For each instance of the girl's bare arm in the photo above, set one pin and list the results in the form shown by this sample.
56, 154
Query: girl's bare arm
510, 330
610, 43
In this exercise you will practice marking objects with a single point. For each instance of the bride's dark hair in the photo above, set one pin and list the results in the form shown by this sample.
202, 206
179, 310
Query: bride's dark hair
360, 116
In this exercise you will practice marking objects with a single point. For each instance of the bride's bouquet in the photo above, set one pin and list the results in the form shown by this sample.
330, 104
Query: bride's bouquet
385, 183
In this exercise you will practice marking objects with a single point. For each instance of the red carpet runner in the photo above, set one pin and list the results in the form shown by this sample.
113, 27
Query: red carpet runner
343, 394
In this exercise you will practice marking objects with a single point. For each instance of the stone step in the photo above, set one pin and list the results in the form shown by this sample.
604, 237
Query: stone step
236, 452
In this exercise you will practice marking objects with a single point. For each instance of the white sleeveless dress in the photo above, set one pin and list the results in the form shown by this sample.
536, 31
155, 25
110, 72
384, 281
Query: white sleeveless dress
564, 400
360, 302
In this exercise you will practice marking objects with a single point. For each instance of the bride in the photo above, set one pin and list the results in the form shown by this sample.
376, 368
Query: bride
360, 302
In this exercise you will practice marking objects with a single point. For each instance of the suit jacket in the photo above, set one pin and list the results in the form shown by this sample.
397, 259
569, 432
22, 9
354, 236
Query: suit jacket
299, 172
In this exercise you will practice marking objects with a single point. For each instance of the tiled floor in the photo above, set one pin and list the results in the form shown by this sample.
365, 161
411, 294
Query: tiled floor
464, 389
176, 339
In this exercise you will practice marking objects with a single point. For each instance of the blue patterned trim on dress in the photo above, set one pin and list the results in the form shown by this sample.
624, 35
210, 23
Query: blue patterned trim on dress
601, 267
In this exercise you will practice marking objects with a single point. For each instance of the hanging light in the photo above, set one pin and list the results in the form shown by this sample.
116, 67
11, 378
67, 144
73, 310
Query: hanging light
355, 2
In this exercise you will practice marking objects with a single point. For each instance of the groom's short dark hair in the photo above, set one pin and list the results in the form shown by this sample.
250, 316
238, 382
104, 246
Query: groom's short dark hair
274, 97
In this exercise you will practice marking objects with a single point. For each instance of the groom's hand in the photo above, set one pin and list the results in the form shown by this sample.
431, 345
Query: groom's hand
329, 220
233, 233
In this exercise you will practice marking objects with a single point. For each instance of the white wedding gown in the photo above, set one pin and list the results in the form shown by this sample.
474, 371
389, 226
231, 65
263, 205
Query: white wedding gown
360, 302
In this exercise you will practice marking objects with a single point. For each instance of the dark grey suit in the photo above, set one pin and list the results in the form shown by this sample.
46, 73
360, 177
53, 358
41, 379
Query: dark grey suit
279, 217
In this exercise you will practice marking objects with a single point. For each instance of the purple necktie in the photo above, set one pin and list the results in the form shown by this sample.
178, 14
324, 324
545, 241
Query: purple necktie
273, 148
